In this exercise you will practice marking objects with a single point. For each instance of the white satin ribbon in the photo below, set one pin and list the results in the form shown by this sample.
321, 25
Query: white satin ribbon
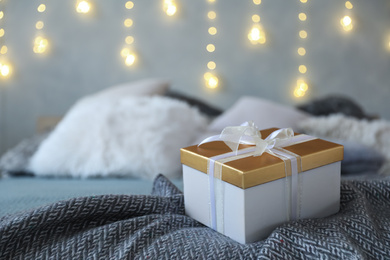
248, 133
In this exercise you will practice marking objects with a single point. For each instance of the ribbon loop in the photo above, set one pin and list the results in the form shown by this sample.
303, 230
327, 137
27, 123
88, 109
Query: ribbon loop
248, 133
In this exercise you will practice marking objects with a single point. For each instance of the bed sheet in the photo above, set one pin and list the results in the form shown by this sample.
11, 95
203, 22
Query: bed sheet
25, 193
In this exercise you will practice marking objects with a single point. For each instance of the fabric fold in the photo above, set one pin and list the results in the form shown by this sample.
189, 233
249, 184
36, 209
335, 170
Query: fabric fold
155, 227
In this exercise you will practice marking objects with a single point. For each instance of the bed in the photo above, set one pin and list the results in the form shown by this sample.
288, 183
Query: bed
57, 213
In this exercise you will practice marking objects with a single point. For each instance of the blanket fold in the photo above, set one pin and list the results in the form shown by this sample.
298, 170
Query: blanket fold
155, 227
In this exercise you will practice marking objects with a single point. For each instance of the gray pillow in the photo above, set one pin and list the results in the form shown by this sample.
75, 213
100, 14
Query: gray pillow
359, 158
16, 160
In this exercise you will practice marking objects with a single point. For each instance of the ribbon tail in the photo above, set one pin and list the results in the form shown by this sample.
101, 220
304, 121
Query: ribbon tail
210, 139
283, 133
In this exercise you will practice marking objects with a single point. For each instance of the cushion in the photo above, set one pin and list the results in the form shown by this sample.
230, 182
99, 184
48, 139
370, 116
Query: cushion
145, 87
109, 135
334, 104
15, 161
264, 113
203, 107
359, 158
372, 133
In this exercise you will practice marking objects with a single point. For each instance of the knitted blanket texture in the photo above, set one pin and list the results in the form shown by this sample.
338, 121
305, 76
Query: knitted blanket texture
155, 227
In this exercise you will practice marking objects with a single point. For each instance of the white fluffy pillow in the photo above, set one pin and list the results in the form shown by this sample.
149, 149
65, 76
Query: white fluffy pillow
144, 87
264, 113
127, 136
375, 133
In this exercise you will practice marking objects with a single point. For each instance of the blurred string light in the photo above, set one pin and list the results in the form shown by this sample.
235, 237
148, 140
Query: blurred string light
83, 6
211, 80
5, 66
170, 7
128, 54
301, 84
388, 43
256, 34
346, 21
40, 43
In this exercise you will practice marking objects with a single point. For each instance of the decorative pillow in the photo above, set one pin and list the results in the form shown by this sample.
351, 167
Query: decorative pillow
145, 87
126, 136
15, 161
374, 133
359, 158
334, 105
264, 113
202, 106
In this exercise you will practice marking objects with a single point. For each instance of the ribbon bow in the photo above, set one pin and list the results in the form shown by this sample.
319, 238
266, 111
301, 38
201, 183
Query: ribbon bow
248, 133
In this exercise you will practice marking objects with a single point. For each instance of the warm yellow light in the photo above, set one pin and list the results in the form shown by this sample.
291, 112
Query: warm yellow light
129, 56
2, 32
303, 1
83, 7
255, 18
39, 25
129, 39
346, 20
129, 5
211, 1
348, 28
40, 45
257, 2
125, 52
128, 22
212, 30
130, 59
1, 14
302, 85
303, 34
170, 7
171, 10
210, 47
211, 80
302, 69
346, 23
256, 35
301, 51
348, 5
301, 88
211, 15
5, 69
41, 8
211, 65
4, 49
302, 16
207, 75
299, 93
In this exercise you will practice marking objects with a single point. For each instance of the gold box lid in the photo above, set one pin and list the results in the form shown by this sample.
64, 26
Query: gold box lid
252, 171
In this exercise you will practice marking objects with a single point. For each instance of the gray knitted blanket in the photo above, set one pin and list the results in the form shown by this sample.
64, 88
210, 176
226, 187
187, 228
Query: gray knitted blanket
155, 227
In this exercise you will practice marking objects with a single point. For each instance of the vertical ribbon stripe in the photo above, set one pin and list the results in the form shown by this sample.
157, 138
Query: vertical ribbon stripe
231, 156
293, 193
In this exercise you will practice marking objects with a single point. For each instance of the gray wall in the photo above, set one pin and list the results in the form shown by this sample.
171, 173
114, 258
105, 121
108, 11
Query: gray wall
84, 57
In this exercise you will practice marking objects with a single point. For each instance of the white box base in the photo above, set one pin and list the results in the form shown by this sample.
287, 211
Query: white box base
252, 214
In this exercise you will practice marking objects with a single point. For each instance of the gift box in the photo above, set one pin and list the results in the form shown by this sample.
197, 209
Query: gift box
245, 185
